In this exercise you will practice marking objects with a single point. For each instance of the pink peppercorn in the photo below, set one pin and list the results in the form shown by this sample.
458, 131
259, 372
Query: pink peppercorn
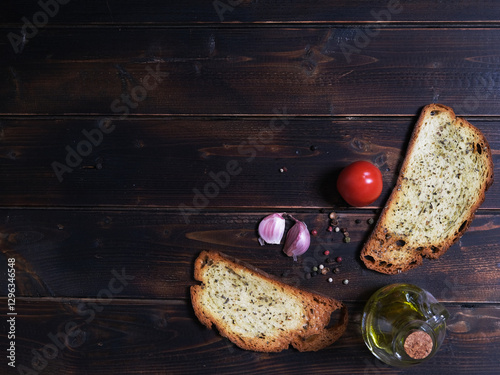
339, 259
326, 252
314, 232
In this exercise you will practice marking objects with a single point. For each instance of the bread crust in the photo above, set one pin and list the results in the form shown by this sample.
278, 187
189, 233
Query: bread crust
314, 333
377, 253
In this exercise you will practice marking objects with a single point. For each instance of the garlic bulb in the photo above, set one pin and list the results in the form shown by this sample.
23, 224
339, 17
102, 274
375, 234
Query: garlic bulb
297, 240
271, 229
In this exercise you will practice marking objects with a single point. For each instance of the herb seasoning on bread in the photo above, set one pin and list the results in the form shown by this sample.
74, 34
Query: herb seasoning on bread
443, 179
257, 312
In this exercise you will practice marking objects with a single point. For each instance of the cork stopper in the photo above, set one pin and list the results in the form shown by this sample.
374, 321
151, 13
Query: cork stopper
418, 345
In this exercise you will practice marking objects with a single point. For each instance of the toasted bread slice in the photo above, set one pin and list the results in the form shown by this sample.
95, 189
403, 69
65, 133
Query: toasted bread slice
259, 313
443, 179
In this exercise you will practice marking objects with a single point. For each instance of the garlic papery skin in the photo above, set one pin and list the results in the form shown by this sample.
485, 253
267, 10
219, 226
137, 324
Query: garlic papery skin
271, 229
297, 240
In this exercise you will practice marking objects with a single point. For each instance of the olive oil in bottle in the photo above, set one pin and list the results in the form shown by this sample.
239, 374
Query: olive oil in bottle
403, 325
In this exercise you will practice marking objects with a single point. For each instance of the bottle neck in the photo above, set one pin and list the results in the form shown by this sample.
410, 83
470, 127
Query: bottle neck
418, 344
415, 342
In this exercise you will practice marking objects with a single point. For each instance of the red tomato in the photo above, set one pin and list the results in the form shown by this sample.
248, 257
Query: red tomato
360, 183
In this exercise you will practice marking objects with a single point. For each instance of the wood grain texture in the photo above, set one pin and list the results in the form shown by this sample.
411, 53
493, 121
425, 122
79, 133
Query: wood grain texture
162, 97
164, 337
196, 12
73, 253
221, 71
191, 164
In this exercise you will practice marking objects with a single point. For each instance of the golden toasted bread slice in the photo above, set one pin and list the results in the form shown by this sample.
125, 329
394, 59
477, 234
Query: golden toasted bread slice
443, 179
257, 312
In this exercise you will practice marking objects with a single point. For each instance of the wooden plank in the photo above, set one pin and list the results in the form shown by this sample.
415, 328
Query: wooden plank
74, 253
153, 337
154, 12
220, 71
169, 163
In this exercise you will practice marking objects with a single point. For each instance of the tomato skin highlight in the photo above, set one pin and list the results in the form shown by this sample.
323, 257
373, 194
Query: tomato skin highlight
360, 183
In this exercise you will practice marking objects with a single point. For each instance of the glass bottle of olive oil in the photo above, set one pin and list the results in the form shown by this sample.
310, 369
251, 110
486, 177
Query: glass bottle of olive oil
403, 325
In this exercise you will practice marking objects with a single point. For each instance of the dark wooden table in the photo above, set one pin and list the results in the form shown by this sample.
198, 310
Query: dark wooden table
134, 135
